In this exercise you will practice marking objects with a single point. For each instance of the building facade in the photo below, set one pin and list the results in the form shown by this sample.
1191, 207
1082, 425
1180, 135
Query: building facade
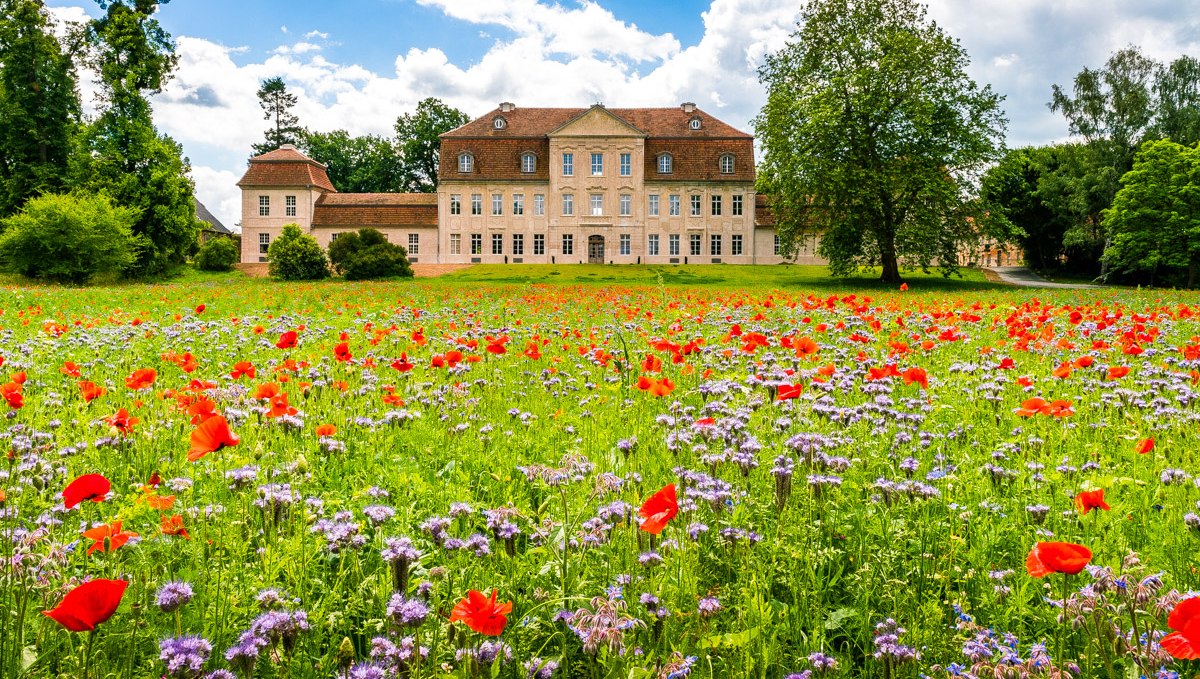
545, 185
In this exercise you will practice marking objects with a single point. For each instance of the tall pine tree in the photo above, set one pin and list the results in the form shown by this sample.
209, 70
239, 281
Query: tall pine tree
39, 105
277, 103
124, 156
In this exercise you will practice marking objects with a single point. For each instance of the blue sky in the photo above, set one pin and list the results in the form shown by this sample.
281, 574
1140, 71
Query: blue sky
358, 64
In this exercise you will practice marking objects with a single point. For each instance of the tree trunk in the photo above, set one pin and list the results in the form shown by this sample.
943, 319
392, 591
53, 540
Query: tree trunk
1193, 270
887, 255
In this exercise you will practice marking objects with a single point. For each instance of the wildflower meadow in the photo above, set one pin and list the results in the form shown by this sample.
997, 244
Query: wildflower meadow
240, 480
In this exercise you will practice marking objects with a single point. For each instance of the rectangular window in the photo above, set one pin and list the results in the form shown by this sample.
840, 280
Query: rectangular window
568, 204
597, 164
737, 206
476, 244
625, 243
414, 243
539, 244
673, 245
518, 203
476, 203
456, 203
735, 244
568, 164
568, 244
652, 244
333, 237
539, 204
653, 205
597, 200
497, 243
626, 164
289, 206
714, 245
455, 244
264, 242
716, 206
518, 244
673, 209
497, 204
694, 244
695, 198
264, 206
626, 204
777, 248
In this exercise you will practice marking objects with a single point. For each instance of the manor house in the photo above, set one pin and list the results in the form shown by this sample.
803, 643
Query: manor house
545, 185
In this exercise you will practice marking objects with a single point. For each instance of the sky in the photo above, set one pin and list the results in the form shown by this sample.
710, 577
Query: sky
359, 64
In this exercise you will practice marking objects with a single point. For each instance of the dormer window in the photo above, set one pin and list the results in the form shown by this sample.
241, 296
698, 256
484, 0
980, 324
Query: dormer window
726, 163
499, 123
528, 162
694, 123
664, 163
466, 163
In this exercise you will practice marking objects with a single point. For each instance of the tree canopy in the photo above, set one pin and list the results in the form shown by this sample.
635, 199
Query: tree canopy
872, 134
367, 164
277, 103
417, 137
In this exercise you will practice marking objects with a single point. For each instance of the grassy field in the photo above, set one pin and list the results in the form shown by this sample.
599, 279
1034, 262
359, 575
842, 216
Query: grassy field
758, 474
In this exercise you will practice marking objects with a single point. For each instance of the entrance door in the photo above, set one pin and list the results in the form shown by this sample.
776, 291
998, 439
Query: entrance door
595, 249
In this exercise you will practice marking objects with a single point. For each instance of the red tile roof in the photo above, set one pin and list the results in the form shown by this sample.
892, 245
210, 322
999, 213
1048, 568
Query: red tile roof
763, 216
495, 158
358, 210
285, 166
654, 122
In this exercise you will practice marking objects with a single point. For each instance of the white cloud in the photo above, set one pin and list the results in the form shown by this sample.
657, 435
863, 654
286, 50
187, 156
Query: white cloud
1005, 60
218, 190
316, 34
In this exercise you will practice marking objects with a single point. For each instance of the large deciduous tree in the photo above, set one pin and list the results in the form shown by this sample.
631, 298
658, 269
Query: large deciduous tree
872, 135
417, 137
1154, 222
39, 105
368, 164
277, 103
122, 153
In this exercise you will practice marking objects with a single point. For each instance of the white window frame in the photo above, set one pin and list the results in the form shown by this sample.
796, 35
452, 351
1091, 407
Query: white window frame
735, 244
264, 242
568, 244
518, 204
778, 245
289, 206
665, 163
518, 244
596, 204
477, 244
673, 244
597, 164
456, 203
568, 204
726, 163
539, 204
264, 206
466, 163
456, 244
625, 244
497, 204
652, 244
735, 207
695, 244
715, 203
626, 164
528, 163
476, 204
675, 205
696, 207
568, 164
626, 203
714, 244
653, 207
414, 243
497, 243
539, 243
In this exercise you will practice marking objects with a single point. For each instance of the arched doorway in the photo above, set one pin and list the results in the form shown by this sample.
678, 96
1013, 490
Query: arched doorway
595, 249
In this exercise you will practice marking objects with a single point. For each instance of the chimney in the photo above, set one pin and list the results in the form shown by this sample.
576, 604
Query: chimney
506, 106
287, 147
688, 106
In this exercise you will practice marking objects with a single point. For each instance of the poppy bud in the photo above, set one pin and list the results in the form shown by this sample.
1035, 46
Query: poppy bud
345, 653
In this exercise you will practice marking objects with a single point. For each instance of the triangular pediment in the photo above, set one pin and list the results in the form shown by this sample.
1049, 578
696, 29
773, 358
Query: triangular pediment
597, 121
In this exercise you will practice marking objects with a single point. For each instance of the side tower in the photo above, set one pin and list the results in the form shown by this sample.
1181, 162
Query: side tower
280, 187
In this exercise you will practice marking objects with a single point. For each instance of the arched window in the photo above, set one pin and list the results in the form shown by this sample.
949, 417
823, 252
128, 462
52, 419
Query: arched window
528, 162
664, 163
727, 163
499, 122
694, 123
466, 162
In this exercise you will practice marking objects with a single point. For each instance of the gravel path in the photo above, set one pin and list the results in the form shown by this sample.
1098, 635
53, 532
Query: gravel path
1023, 277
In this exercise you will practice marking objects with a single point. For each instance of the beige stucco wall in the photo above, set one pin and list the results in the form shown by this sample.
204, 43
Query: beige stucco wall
253, 224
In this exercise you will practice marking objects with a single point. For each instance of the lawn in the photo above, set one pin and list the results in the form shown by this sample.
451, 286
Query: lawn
758, 474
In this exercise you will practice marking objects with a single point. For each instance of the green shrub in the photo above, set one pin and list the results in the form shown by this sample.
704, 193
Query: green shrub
218, 254
295, 256
68, 238
366, 255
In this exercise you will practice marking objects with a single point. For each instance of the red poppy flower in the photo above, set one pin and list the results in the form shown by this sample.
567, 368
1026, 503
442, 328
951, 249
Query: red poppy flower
326, 430
141, 378
90, 391
1063, 371
287, 340
481, 613
1031, 407
202, 409
342, 352
69, 369
243, 368
280, 406
1144, 446
1087, 500
92, 487
1116, 372
212, 435
402, 363
1057, 557
1006, 363
11, 391
108, 537
173, 525
1184, 642
200, 308
916, 375
659, 509
88, 605
268, 390
122, 422
806, 346
495, 345
789, 391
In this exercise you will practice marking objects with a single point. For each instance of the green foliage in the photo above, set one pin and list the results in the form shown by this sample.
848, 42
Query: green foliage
295, 256
872, 132
39, 105
1155, 218
277, 103
368, 164
218, 254
121, 154
67, 238
417, 139
367, 255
